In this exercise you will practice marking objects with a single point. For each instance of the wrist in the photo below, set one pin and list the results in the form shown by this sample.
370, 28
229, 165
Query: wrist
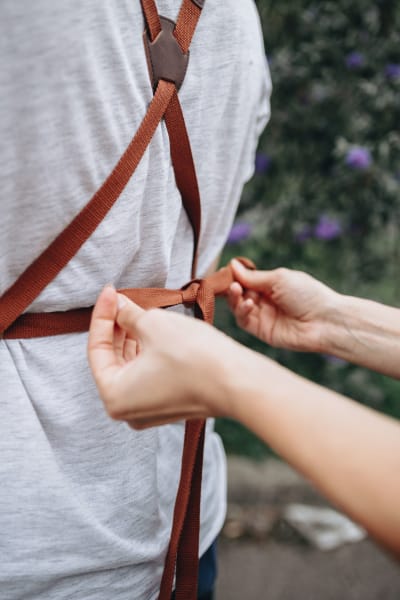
251, 379
361, 329
333, 331
238, 379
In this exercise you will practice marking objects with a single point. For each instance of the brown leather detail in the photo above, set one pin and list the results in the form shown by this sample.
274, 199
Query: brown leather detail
199, 3
165, 58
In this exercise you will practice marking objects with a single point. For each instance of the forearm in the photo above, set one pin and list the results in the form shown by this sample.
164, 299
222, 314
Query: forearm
366, 333
349, 452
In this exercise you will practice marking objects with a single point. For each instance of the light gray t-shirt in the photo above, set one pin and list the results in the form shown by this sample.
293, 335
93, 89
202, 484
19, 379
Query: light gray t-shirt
86, 503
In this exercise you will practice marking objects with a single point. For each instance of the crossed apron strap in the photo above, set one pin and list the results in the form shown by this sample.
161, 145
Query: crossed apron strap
55, 257
167, 50
174, 42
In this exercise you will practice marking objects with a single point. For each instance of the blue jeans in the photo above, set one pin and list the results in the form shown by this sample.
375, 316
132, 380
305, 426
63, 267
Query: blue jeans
207, 574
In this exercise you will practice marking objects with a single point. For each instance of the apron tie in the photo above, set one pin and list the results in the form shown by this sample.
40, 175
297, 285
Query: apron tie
200, 293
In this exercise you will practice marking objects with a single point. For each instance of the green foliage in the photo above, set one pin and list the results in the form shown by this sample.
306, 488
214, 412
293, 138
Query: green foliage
327, 200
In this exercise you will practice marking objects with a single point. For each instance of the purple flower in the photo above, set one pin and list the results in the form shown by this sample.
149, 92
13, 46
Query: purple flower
392, 71
304, 234
239, 232
263, 163
355, 60
359, 158
327, 228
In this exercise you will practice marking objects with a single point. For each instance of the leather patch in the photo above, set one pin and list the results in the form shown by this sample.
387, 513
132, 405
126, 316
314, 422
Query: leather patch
165, 58
199, 3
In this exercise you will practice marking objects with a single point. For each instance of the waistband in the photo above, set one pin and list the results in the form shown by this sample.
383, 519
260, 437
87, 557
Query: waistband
198, 293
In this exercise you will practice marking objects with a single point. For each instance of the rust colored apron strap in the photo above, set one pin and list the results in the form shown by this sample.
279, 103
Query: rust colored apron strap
187, 562
151, 17
199, 293
186, 516
186, 23
184, 543
184, 169
47, 266
183, 549
167, 59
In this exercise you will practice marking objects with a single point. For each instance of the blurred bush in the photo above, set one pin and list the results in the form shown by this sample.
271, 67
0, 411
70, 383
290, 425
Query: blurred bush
326, 195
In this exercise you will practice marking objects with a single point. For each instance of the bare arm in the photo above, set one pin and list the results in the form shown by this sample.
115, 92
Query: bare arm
366, 333
350, 453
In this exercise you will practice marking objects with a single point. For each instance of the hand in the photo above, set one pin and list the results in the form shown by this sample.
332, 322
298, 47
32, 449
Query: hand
177, 373
287, 309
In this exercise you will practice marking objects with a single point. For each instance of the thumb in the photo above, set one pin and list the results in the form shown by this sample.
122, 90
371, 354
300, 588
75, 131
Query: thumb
258, 281
101, 351
128, 315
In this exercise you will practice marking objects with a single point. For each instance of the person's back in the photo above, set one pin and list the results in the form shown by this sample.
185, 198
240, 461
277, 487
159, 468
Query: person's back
86, 503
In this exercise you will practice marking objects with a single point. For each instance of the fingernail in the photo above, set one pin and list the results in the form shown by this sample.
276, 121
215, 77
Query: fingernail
111, 285
121, 301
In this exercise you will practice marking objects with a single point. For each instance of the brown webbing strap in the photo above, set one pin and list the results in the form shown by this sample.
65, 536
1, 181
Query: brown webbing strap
183, 547
152, 18
184, 542
187, 561
181, 153
182, 160
198, 293
47, 266
186, 22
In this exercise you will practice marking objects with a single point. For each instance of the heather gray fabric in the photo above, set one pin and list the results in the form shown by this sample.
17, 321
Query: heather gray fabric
85, 502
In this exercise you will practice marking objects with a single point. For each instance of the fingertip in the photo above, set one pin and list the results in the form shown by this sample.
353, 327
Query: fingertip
237, 265
235, 294
128, 312
236, 288
109, 289
259, 281
100, 347
239, 270
245, 307
105, 306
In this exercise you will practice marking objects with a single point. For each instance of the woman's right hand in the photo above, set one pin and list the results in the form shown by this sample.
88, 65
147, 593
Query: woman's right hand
284, 308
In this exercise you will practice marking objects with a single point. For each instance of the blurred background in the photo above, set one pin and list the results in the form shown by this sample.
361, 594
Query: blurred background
326, 199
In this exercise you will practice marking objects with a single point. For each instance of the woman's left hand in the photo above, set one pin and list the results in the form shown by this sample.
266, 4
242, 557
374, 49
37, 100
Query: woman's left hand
155, 367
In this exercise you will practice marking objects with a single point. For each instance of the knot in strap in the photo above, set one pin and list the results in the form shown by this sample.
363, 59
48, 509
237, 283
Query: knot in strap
201, 294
